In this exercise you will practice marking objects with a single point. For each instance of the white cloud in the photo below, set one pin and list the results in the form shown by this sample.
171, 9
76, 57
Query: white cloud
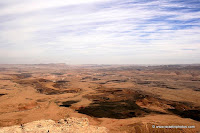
85, 29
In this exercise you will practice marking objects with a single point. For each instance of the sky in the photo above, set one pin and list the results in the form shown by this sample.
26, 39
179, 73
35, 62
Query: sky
100, 31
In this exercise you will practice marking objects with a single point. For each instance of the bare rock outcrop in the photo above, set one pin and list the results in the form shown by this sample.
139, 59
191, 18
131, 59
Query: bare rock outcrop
68, 125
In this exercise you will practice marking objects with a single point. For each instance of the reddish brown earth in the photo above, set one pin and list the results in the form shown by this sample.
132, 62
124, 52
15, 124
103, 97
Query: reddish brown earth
120, 98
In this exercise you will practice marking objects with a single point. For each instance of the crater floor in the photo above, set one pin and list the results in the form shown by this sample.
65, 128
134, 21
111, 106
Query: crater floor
121, 98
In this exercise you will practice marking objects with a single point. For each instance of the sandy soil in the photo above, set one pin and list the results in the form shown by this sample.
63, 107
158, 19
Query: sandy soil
120, 98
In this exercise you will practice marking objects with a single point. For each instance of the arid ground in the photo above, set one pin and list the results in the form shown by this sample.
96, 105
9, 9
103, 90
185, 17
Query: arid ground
122, 98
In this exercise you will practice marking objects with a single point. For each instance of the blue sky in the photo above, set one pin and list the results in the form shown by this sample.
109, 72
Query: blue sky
100, 31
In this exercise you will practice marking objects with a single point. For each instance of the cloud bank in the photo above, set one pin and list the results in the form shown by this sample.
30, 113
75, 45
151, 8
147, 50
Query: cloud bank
100, 31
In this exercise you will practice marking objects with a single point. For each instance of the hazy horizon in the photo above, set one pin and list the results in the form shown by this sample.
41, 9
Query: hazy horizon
100, 32
100, 63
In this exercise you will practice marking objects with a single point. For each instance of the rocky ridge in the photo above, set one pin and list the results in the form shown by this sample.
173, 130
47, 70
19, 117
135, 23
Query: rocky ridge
68, 125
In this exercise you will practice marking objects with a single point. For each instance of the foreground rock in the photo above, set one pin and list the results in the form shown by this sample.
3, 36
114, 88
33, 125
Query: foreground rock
69, 125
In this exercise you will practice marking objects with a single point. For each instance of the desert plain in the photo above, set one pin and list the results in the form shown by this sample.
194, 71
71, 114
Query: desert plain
121, 98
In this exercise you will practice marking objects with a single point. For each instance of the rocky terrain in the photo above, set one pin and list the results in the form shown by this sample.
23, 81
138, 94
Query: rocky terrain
112, 98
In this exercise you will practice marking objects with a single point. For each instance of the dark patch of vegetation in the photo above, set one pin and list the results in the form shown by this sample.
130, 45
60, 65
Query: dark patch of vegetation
114, 81
95, 79
62, 81
197, 89
173, 88
117, 81
23, 75
38, 85
118, 103
41, 100
102, 83
143, 82
61, 84
119, 109
193, 114
49, 91
156, 84
87, 77
2, 94
195, 79
44, 80
68, 103
57, 73
185, 110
